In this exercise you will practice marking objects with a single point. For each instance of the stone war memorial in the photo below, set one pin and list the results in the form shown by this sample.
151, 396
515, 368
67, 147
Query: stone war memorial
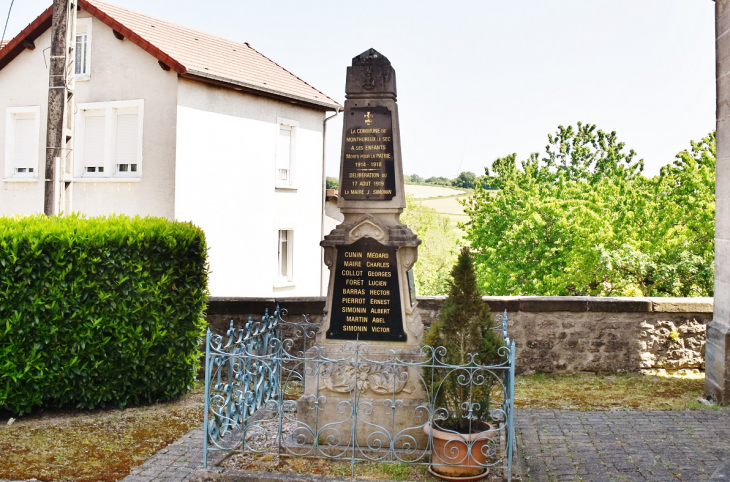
371, 304
360, 384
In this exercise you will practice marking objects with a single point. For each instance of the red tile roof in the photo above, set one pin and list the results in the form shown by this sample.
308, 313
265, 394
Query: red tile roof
190, 53
13, 48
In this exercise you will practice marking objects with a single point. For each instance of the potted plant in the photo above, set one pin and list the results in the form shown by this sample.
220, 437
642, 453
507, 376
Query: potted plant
460, 389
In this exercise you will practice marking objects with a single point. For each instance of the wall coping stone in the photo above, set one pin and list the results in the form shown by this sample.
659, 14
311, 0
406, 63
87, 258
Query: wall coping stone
535, 304
683, 305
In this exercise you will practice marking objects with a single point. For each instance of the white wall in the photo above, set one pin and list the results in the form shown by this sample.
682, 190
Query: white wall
226, 147
24, 82
120, 70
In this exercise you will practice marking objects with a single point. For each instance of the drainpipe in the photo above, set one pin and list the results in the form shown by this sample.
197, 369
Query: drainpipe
324, 197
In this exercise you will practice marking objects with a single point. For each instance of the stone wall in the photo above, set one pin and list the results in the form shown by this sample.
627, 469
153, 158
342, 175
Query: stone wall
552, 334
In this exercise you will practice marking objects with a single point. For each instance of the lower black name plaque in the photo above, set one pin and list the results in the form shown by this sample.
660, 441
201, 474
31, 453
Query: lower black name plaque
366, 297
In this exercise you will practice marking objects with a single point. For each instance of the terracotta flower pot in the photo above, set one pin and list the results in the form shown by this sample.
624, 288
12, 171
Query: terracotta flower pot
451, 456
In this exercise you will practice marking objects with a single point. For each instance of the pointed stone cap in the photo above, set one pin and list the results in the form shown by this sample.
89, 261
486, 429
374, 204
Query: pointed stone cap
371, 76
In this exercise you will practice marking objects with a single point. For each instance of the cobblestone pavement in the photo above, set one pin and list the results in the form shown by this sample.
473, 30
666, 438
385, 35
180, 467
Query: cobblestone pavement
558, 445
617, 446
175, 462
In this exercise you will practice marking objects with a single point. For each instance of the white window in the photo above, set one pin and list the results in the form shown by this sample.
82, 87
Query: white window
285, 152
22, 137
284, 272
109, 139
82, 48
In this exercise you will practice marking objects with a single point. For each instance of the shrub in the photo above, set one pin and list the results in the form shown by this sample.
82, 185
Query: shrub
464, 327
97, 312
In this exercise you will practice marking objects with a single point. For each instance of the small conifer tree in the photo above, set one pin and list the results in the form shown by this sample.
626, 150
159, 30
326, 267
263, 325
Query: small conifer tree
464, 328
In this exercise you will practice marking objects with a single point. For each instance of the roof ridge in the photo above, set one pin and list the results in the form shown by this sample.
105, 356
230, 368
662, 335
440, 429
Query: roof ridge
291, 73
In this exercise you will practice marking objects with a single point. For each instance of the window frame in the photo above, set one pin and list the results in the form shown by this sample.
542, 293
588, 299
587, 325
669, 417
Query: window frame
83, 27
293, 127
287, 280
111, 111
12, 114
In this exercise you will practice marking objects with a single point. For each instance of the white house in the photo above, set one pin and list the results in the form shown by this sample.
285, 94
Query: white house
181, 124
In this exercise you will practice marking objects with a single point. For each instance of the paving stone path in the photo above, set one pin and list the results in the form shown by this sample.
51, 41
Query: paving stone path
557, 445
617, 446
177, 461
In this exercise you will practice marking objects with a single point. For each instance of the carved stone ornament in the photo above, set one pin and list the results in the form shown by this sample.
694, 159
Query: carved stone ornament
330, 254
368, 226
381, 379
368, 82
408, 257
414, 325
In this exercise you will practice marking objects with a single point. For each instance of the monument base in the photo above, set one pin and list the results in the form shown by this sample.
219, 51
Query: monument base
372, 393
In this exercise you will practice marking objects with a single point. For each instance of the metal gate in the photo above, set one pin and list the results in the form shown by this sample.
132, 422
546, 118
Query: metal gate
257, 399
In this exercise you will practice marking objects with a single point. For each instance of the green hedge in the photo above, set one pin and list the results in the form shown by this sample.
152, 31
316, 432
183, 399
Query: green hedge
98, 312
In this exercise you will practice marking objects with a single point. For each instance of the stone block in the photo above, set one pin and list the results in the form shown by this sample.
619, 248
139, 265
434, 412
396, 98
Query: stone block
619, 305
554, 303
722, 216
717, 363
723, 94
722, 155
722, 17
722, 302
722, 262
682, 305
230, 306
497, 304
303, 305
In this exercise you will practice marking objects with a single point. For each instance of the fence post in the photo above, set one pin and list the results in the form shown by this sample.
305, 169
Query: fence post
207, 399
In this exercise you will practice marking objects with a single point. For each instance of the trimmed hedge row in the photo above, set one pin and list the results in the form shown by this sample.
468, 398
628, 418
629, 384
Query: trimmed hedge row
98, 312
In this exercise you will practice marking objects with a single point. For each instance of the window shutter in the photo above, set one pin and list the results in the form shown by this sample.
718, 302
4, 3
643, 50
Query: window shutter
126, 139
94, 131
283, 154
24, 143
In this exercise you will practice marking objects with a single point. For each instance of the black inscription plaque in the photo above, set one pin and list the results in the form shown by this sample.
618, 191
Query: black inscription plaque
368, 170
366, 296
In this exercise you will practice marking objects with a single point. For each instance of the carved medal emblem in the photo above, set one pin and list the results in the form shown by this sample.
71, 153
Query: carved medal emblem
369, 83
368, 118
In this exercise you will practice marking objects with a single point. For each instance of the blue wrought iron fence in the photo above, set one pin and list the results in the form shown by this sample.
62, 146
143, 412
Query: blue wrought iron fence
268, 390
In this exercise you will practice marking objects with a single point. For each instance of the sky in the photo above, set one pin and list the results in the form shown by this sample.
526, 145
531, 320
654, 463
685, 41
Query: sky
479, 80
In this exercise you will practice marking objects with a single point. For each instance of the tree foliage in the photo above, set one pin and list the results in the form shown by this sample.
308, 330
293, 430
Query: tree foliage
332, 182
465, 180
439, 181
438, 249
583, 220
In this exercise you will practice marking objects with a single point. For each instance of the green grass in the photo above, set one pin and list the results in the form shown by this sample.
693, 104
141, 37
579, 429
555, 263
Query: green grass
608, 392
98, 445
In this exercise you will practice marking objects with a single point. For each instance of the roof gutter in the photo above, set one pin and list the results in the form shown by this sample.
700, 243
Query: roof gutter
258, 89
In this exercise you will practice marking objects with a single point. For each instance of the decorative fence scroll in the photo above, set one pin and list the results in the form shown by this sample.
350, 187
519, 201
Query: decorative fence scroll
267, 389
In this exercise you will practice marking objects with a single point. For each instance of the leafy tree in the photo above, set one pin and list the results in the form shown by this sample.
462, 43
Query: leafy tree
583, 220
465, 180
413, 178
439, 181
438, 249
332, 182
